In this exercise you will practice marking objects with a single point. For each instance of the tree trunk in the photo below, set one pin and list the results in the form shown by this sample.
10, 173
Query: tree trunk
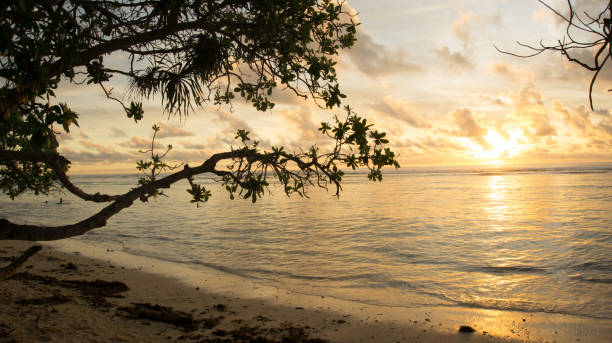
11, 269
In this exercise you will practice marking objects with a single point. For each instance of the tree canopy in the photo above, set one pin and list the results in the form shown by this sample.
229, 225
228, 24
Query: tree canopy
192, 53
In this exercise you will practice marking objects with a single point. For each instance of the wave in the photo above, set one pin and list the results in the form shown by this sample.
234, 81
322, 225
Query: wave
560, 171
530, 307
502, 270
598, 266
591, 279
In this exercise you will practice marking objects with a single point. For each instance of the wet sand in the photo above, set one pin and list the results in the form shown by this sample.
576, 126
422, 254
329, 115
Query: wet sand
56, 298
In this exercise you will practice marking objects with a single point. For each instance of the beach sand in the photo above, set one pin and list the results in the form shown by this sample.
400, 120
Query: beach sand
55, 298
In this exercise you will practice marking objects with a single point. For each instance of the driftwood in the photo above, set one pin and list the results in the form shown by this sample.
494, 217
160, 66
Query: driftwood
95, 292
160, 314
56, 299
99, 288
11, 269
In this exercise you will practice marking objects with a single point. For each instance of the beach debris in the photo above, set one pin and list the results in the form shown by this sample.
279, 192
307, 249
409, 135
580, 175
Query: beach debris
466, 329
160, 314
262, 319
97, 290
69, 266
56, 299
94, 291
5, 329
286, 333
220, 333
209, 323
220, 307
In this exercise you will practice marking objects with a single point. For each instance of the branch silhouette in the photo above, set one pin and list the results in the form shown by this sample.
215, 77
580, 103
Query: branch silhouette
597, 27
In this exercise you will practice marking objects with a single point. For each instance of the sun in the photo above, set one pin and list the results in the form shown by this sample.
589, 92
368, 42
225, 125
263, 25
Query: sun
497, 147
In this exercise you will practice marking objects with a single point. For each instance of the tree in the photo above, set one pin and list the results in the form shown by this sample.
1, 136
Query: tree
583, 31
191, 53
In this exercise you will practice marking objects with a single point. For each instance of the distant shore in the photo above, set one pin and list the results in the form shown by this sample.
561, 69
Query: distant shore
56, 298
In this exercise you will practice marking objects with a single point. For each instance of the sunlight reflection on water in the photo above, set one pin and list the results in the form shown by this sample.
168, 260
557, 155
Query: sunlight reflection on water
535, 240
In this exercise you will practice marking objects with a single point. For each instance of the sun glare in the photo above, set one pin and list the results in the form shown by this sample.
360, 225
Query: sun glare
498, 148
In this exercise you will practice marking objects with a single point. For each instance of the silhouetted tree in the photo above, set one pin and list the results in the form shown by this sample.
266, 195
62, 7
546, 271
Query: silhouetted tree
591, 31
191, 52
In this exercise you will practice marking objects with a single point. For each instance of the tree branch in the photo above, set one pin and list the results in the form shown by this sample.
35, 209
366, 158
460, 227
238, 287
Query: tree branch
598, 26
11, 231
55, 162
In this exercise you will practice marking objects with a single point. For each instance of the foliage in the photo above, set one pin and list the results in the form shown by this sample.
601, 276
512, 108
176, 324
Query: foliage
153, 167
355, 145
191, 53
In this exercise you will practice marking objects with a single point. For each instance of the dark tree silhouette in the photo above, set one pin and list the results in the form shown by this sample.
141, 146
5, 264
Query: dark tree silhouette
192, 53
584, 30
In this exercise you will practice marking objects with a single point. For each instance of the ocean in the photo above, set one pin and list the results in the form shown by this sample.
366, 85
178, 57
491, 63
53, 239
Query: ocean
531, 239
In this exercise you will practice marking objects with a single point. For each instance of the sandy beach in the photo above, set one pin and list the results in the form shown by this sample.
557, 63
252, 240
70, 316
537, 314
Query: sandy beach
61, 296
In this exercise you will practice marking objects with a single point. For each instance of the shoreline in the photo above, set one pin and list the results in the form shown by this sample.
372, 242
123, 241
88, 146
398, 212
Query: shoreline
243, 304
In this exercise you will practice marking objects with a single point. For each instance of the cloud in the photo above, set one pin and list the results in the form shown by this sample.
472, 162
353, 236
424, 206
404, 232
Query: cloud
232, 124
528, 97
509, 72
102, 154
430, 145
495, 100
167, 130
441, 145
575, 73
603, 112
374, 59
592, 7
429, 150
540, 15
231, 121
285, 97
453, 59
191, 146
461, 27
86, 156
468, 127
528, 106
598, 133
401, 110
141, 143
187, 156
543, 128
62, 136
115, 132
495, 19
98, 147
302, 125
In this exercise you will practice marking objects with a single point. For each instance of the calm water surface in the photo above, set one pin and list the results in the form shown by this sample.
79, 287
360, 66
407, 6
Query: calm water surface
535, 240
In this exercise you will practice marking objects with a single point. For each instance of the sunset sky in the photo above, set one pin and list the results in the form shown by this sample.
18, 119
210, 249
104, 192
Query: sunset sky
425, 71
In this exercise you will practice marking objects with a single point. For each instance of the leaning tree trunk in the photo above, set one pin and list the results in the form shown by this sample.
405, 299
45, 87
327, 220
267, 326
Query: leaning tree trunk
11, 269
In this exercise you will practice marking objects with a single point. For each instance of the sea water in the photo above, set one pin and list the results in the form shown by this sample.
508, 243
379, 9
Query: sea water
533, 239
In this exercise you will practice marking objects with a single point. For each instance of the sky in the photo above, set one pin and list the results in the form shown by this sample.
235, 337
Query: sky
425, 71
